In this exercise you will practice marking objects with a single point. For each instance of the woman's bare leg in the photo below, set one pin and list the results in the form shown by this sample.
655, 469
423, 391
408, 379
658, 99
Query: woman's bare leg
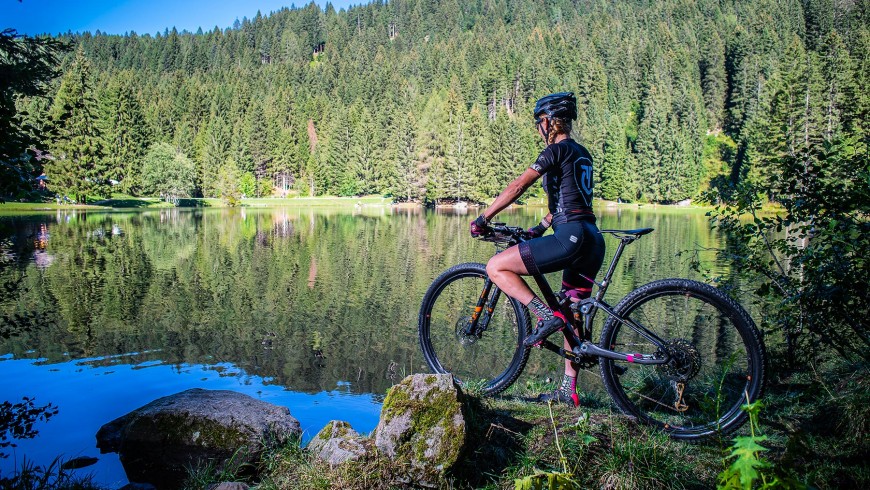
505, 270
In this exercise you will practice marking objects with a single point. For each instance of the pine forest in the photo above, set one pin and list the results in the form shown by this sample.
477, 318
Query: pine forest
431, 101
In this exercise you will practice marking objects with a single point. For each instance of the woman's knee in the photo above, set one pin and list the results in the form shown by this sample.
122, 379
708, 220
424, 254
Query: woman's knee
493, 268
507, 262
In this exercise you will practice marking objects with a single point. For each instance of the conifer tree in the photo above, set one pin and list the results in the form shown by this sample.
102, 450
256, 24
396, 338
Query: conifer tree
405, 177
714, 79
614, 164
126, 134
27, 65
78, 167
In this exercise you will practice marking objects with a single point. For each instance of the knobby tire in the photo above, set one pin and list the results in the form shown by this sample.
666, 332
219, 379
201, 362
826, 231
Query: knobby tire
489, 363
703, 325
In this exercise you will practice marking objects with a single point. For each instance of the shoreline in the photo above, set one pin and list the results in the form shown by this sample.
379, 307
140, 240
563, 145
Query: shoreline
130, 204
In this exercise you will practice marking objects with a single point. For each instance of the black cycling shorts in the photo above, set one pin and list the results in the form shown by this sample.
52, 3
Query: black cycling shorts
576, 247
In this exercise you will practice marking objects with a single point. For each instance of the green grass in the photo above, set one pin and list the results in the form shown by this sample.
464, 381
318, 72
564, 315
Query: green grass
816, 423
319, 201
121, 201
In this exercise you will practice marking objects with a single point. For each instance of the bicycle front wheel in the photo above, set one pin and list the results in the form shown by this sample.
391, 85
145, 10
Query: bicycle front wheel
491, 357
715, 359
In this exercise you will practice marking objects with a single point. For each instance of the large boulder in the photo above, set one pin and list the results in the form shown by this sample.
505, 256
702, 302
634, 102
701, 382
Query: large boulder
338, 443
422, 427
157, 442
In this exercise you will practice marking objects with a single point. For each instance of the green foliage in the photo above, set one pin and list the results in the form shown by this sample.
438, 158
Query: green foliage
227, 184
125, 130
27, 66
248, 185
168, 173
808, 265
546, 481
78, 166
17, 419
749, 469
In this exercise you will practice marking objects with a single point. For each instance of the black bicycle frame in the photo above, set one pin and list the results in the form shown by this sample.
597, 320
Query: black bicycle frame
585, 310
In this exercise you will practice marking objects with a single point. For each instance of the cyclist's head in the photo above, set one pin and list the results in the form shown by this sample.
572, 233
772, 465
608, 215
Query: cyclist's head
554, 113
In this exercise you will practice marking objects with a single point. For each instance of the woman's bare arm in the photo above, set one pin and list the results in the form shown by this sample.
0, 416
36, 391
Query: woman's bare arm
510, 194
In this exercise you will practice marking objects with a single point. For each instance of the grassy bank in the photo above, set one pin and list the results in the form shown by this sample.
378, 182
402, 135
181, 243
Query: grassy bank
120, 201
814, 425
129, 202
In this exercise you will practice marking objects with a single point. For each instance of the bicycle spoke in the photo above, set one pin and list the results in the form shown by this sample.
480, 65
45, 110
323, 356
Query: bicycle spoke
701, 387
493, 356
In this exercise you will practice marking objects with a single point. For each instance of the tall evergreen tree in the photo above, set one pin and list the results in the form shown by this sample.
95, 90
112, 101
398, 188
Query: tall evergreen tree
614, 164
126, 134
78, 167
27, 65
714, 79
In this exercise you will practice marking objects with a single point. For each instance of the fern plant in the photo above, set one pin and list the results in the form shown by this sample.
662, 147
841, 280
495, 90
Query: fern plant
748, 468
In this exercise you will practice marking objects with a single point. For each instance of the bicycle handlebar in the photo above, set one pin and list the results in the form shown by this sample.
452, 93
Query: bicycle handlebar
502, 233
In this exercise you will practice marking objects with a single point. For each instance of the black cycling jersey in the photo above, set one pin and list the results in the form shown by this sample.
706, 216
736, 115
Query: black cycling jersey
567, 170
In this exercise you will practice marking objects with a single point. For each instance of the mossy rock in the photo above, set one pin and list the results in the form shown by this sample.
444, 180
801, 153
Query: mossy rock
337, 443
422, 427
157, 442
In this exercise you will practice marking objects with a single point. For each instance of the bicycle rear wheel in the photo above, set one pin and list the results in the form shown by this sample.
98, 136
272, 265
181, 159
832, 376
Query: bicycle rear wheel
490, 360
717, 359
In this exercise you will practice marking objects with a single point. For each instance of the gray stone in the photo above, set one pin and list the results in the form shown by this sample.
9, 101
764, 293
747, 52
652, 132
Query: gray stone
158, 441
422, 427
337, 443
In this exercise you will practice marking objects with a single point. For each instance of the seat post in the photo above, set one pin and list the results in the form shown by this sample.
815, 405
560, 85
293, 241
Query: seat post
606, 281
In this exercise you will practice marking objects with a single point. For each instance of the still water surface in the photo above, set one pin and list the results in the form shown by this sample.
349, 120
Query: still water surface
313, 309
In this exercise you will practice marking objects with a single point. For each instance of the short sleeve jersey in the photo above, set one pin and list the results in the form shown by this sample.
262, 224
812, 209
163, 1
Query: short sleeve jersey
566, 168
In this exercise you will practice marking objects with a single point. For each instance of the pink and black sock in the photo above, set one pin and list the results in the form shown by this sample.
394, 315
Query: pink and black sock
569, 385
542, 311
576, 293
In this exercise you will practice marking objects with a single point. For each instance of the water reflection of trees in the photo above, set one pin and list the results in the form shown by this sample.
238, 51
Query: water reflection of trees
211, 286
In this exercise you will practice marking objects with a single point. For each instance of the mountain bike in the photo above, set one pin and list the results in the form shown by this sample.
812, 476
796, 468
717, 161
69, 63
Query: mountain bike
675, 353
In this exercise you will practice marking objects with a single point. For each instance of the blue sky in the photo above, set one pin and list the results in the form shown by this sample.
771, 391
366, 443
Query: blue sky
143, 16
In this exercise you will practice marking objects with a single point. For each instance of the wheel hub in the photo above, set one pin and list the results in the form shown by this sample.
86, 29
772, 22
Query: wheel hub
685, 361
461, 336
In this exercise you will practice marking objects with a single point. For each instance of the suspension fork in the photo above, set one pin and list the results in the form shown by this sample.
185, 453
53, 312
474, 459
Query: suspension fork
483, 309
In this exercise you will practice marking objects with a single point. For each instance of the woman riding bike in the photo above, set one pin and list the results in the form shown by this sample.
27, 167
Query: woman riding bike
576, 246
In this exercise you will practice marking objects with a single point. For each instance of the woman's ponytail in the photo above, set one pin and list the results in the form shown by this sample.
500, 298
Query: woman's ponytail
558, 125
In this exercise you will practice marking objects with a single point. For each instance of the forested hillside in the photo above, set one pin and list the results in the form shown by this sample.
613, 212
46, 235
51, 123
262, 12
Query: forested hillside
426, 100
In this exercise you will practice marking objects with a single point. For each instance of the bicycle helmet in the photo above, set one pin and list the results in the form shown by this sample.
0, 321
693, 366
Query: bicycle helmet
562, 104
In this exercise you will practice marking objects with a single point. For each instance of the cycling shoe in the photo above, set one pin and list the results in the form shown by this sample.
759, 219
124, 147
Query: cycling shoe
545, 329
558, 396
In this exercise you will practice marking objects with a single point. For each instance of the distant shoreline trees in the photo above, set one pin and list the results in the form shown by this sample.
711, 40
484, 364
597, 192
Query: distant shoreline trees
429, 102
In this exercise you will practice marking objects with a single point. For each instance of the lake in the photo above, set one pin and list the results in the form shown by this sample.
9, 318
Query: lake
313, 309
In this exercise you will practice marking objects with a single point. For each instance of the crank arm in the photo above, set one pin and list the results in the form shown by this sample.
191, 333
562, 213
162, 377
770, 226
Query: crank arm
562, 352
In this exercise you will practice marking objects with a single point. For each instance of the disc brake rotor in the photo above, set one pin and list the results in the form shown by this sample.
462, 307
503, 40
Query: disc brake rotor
461, 336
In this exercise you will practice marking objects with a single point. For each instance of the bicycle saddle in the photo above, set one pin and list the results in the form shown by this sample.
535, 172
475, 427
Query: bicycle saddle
638, 232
